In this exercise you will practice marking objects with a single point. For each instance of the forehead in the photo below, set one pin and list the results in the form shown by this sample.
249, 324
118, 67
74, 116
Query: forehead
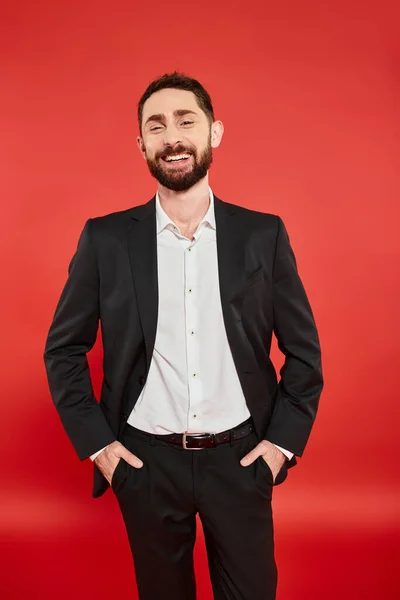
167, 100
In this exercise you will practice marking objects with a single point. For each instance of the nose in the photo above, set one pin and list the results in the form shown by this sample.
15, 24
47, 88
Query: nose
171, 135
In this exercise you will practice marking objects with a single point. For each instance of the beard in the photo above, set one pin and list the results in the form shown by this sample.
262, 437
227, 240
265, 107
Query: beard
182, 178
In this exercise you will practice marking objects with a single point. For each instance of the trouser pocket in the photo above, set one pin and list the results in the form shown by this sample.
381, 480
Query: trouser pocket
258, 471
119, 475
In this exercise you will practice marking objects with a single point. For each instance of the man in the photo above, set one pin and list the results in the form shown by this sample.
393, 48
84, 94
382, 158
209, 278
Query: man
188, 289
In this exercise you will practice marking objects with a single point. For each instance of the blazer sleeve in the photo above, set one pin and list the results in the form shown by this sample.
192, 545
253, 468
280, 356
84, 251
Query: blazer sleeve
301, 381
72, 334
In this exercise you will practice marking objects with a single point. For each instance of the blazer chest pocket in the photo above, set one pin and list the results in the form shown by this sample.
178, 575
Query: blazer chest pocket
254, 278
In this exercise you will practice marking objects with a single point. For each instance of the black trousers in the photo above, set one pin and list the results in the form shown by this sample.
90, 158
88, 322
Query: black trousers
159, 503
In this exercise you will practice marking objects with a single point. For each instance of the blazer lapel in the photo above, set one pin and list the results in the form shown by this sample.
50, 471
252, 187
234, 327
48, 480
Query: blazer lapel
142, 248
231, 248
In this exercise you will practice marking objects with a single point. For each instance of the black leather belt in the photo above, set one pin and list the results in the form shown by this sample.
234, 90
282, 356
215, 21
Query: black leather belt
199, 441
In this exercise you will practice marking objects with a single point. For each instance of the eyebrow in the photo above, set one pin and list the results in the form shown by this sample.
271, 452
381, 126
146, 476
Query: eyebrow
180, 112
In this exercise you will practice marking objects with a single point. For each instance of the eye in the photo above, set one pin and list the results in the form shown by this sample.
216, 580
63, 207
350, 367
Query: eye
155, 128
187, 122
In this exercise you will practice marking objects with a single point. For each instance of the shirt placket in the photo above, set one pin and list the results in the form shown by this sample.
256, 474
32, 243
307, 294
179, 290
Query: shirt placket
194, 376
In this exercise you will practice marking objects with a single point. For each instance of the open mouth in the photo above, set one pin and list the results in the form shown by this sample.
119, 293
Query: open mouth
176, 158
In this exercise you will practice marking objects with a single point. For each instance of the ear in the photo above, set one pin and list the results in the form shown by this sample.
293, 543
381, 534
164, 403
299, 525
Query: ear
141, 146
217, 131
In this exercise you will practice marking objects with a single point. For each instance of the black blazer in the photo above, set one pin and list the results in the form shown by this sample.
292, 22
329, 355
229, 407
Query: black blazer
113, 280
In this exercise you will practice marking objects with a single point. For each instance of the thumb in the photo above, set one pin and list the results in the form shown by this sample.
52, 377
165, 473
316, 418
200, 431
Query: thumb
132, 459
249, 458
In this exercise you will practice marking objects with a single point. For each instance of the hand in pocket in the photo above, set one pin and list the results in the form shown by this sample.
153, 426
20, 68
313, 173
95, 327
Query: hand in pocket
109, 458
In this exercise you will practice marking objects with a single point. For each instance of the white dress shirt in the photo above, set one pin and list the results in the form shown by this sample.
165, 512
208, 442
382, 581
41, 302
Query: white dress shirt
192, 384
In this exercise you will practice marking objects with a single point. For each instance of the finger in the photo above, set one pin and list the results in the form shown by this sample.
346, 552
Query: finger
132, 459
249, 458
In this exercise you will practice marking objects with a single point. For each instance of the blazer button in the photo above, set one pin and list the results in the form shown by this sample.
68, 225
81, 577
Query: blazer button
124, 417
142, 379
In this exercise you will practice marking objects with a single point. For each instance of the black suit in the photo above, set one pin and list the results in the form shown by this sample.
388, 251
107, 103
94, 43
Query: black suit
113, 278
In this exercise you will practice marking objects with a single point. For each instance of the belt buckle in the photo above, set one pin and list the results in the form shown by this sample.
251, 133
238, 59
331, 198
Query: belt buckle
184, 442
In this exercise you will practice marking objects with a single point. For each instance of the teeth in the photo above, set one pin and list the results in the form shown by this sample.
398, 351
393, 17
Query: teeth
176, 157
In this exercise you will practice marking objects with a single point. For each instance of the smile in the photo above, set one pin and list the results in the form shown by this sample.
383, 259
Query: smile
176, 157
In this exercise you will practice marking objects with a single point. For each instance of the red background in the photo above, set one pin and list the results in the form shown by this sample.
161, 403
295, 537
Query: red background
309, 96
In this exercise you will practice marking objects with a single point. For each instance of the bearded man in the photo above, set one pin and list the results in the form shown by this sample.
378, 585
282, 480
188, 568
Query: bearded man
192, 419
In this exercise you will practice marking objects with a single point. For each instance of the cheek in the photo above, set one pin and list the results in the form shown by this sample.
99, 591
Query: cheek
151, 147
193, 139
151, 152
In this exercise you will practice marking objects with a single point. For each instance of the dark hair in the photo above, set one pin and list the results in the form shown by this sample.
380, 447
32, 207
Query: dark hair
178, 81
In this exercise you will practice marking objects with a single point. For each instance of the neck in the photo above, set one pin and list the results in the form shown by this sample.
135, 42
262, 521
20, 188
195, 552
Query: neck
187, 208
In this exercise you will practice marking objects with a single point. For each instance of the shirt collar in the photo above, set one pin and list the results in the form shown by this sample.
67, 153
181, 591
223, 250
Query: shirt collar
163, 219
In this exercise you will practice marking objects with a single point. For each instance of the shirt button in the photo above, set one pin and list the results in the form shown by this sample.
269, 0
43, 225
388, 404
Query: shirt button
192, 332
190, 289
189, 249
194, 374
